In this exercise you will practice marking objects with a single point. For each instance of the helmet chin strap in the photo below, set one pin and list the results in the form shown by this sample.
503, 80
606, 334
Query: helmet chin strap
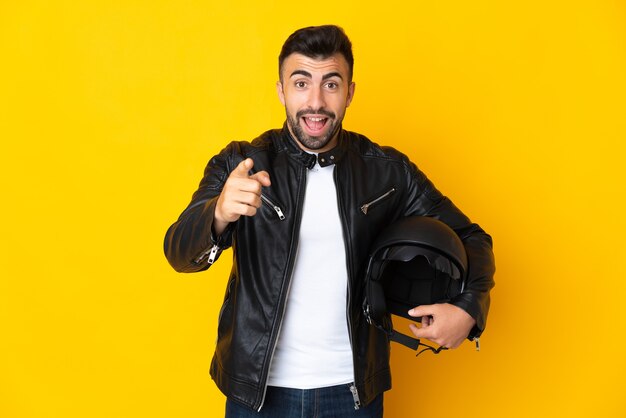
413, 343
398, 337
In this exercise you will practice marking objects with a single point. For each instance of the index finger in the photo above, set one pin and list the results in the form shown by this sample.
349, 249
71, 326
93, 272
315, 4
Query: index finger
262, 177
243, 168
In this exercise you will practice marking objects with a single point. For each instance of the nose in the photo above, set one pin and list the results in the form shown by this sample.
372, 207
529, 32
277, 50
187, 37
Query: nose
316, 98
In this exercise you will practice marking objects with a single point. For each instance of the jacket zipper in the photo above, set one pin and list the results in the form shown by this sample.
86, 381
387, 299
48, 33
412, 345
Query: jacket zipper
280, 327
211, 252
274, 206
385, 195
346, 239
288, 276
355, 396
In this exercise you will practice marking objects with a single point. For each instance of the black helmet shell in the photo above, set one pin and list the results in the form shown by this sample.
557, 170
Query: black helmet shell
415, 261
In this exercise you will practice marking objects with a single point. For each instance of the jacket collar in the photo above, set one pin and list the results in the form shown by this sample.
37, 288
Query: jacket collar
308, 160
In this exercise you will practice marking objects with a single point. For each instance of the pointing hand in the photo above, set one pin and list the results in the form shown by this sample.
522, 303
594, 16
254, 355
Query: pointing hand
241, 195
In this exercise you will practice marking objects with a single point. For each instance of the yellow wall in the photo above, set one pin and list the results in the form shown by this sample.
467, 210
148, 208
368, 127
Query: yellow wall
109, 111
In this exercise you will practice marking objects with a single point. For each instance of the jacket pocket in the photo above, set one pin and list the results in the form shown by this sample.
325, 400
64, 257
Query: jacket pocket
377, 200
273, 206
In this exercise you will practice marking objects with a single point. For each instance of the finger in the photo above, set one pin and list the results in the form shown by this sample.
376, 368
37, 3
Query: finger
243, 168
422, 310
240, 196
423, 332
250, 199
262, 177
243, 209
242, 191
248, 185
231, 211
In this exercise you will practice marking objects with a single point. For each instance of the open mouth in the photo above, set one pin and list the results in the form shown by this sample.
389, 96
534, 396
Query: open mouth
315, 124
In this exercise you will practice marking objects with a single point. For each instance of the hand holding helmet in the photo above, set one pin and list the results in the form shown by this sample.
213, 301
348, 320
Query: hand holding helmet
442, 323
416, 266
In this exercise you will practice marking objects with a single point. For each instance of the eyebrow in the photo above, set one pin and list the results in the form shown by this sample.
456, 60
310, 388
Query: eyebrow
301, 72
330, 75
308, 74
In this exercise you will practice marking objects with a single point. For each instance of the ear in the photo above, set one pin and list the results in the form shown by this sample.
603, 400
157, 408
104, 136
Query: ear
350, 93
281, 93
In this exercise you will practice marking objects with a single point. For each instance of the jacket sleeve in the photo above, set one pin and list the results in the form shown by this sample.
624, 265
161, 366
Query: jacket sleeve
189, 241
425, 200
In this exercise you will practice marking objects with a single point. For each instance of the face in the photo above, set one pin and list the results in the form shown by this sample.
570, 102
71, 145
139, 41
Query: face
315, 94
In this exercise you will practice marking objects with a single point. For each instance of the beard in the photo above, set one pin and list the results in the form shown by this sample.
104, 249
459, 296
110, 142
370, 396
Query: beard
314, 142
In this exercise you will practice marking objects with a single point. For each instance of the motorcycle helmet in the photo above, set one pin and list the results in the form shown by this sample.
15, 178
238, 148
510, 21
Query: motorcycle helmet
415, 261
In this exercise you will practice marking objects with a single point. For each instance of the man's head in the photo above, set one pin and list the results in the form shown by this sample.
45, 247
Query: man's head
316, 85
317, 42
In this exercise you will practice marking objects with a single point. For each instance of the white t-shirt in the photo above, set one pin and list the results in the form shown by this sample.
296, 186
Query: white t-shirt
313, 348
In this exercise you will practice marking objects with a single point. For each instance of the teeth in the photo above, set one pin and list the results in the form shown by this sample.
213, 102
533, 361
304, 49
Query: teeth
316, 119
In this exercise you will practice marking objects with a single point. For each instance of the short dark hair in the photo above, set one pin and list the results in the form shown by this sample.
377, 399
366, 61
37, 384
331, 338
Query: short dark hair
318, 42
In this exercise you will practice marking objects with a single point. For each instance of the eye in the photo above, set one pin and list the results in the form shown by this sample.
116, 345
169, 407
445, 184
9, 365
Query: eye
300, 84
332, 85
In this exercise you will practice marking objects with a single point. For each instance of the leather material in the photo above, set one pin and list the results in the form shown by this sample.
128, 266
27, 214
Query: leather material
264, 248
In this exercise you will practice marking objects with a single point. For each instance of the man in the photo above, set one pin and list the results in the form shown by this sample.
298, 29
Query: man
292, 335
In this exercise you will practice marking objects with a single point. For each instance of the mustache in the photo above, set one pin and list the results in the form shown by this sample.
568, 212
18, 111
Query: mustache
320, 111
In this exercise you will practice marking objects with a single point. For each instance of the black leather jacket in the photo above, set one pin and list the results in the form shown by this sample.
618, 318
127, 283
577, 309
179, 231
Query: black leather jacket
375, 186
